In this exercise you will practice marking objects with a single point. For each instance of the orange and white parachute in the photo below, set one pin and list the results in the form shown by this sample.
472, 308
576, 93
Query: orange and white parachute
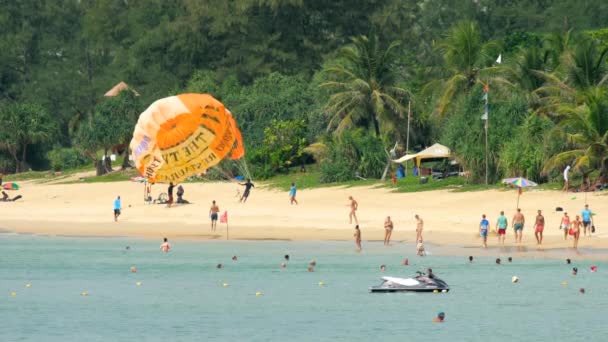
184, 135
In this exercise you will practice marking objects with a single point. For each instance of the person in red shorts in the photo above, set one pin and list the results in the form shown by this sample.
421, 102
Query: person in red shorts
502, 224
539, 226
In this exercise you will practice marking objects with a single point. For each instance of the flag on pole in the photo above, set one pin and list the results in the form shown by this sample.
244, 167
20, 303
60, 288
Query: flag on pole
224, 217
499, 59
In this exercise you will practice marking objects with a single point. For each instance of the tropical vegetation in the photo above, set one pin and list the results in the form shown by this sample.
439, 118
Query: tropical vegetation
342, 84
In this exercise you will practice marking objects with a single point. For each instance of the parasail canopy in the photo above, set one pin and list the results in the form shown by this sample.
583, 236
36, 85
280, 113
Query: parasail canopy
183, 135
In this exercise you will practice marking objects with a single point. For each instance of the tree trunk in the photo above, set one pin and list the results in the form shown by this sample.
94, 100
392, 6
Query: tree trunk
125, 162
21, 164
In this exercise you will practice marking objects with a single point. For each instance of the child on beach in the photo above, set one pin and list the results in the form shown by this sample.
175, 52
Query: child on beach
292, 194
165, 247
483, 230
420, 249
565, 225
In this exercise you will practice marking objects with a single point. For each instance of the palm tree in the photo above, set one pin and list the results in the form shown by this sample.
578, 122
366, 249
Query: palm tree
577, 97
467, 59
585, 127
363, 87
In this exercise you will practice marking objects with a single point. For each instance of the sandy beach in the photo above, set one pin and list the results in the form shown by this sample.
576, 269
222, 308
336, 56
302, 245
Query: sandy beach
451, 218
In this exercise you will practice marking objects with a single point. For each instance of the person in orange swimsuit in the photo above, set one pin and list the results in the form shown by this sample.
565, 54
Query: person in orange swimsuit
165, 247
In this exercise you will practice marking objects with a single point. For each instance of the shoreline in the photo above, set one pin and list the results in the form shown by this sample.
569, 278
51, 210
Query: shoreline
451, 218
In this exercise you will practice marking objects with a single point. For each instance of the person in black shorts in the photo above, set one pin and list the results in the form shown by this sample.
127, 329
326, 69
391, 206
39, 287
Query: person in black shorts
170, 192
248, 185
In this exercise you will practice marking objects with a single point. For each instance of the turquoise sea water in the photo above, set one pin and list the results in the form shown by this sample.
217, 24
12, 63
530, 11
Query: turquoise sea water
182, 297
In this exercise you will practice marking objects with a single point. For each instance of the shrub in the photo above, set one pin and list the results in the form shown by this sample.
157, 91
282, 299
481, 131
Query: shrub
351, 154
66, 158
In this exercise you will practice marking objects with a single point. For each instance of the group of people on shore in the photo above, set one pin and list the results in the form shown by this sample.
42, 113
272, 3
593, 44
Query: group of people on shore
388, 228
569, 227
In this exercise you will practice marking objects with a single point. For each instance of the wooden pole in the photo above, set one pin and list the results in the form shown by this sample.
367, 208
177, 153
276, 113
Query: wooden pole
407, 139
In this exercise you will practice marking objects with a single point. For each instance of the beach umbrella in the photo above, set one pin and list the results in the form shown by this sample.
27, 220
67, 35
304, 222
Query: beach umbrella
10, 186
520, 183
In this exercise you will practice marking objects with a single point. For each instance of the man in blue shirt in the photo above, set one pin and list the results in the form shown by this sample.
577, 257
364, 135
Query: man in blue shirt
483, 230
116, 208
587, 220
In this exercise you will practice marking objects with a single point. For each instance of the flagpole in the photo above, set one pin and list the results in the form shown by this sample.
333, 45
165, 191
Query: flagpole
486, 129
407, 139
227, 238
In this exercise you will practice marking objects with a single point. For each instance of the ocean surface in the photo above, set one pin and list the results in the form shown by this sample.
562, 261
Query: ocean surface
182, 296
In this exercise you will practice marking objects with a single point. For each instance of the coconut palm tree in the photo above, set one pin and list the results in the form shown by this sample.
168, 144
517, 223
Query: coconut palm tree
363, 87
467, 61
585, 127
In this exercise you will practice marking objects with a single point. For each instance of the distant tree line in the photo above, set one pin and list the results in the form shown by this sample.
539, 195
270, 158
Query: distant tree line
329, 80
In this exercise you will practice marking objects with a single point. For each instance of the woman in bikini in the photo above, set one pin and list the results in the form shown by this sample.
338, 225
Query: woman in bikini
576, 230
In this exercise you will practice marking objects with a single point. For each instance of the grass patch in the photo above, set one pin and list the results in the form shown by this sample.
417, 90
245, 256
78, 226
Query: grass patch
116, 176
30, 175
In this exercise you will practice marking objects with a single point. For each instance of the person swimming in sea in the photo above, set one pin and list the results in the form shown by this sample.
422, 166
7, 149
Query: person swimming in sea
165, 247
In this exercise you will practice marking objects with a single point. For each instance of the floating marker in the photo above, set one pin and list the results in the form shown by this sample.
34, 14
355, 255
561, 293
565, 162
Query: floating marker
84, 294
138, 283
28, 285
593, 268
258, 294
225, 284
13, 293
321, 283
564, 283
514, 279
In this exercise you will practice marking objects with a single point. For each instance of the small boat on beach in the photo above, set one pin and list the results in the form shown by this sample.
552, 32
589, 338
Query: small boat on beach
420, 283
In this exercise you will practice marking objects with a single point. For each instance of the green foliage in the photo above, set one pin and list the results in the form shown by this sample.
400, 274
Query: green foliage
284, 143
463, 133
263, 60
111, 124
524, 155
66, 158
24, 124
363, 87
352, 154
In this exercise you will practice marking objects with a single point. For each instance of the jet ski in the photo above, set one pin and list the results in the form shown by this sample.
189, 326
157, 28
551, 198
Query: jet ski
420, 283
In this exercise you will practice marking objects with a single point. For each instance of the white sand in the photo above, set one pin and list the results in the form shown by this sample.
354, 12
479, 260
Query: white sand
451, 218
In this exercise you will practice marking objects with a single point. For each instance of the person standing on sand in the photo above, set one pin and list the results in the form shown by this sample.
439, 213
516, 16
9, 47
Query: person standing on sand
165, 247
353, 210
213, 212
117, 206
388, 230
518, 225
539, 226
357, 236
170, 193
576, 230
483, 230
502, 224
565, 225
292, 194
587, 220
419, 227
